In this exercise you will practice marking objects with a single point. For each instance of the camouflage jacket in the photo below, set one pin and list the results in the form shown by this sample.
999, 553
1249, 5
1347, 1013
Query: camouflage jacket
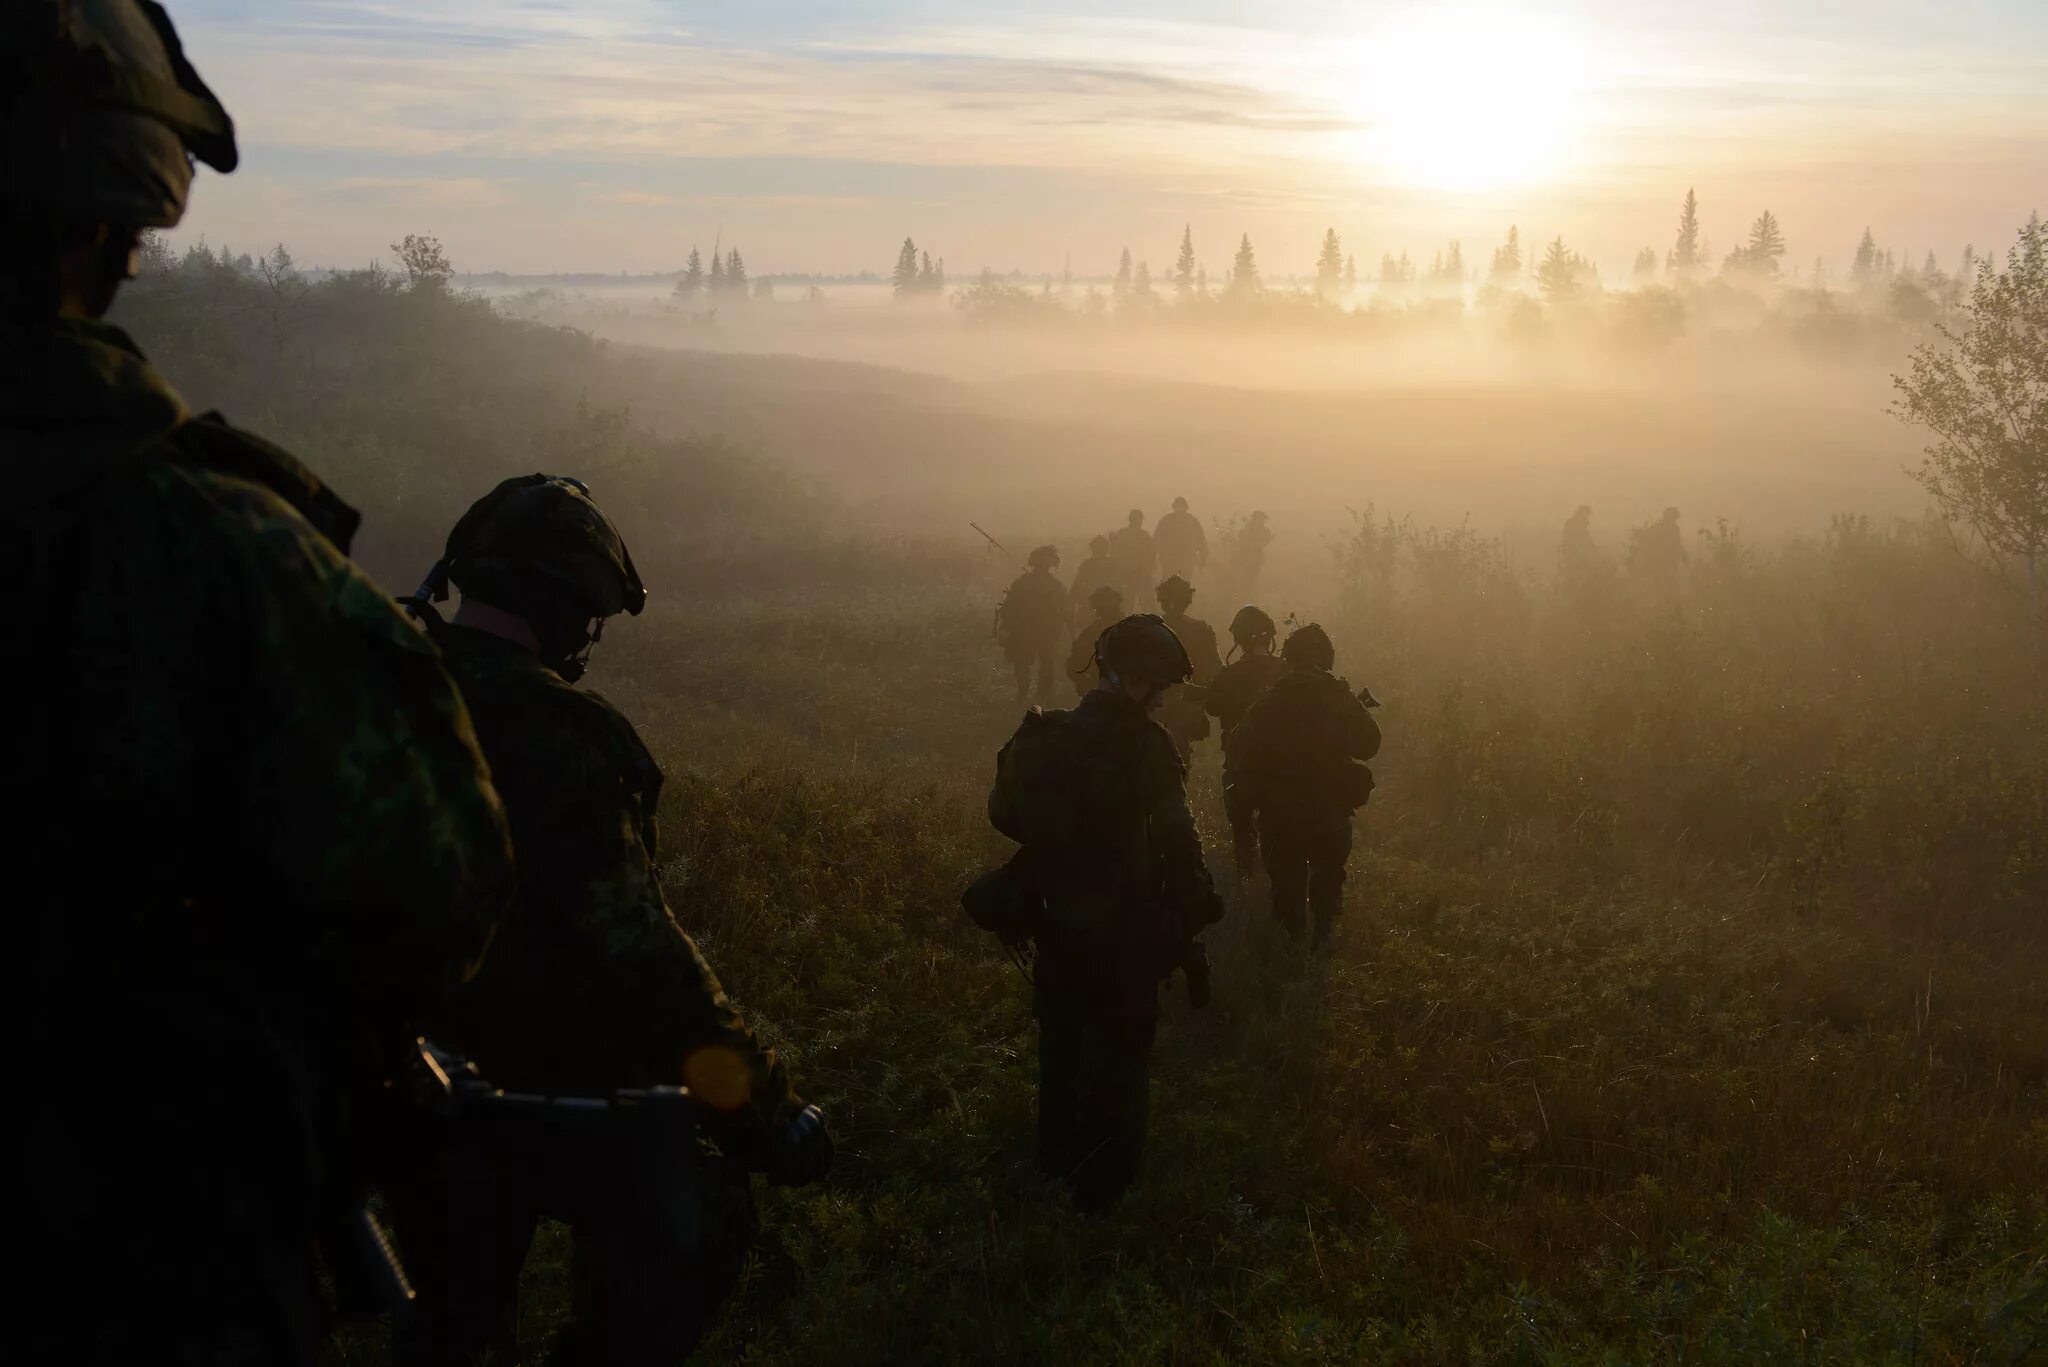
1301, 733
1034, 608
1095, 796
1234, 690
597, 986
253, 795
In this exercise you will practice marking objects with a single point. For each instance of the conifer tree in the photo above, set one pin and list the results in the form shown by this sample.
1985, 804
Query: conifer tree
904, 277
1202, 281
1766, 245
1329, 264
1141, 283
1864, 268
1350, 274
715, 282
735, 272
1557, 275
1507, 258
1244, 268
1685, 256
1184, 264
1646, 263
693, 276
927, 279
939, 276
1121, 288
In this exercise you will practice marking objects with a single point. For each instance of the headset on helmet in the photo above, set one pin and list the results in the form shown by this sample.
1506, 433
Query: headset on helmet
1252, 623
1175, 589
1105, 597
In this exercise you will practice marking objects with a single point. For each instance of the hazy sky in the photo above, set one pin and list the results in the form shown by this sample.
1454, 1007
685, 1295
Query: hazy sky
612, 134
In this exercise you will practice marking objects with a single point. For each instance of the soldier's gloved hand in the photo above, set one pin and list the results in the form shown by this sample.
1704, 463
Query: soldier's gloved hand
802, 1153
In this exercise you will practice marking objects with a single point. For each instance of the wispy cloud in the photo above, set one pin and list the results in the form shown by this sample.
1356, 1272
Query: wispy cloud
1005, 125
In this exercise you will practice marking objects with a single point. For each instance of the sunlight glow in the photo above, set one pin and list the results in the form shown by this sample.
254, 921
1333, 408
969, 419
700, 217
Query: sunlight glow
1470, 99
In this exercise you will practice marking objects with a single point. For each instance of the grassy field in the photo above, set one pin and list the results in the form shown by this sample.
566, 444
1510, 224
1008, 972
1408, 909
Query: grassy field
1688, 1006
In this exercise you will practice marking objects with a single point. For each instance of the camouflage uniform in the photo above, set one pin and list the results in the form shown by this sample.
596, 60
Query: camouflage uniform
1184, 714
1182, 544
1130, 546
598, 988
1252, 540
1229, 697
1095, 797
1300, 748
1098, 571
309, 853
1032, 623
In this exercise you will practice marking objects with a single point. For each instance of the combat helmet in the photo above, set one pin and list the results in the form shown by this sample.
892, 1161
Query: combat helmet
1105, 597
545, 526
104, 115
1143, 649
1252, 623
1099, 545
1043, 557
1175, 589
1180, 505
1309, 646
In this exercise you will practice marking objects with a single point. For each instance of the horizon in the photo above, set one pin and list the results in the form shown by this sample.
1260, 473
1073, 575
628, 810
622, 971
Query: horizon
545, 139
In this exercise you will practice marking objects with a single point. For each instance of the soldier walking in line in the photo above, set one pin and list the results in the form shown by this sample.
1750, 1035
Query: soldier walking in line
1183, 713
1031, 624
1302, 747
1135, 555
1182, 544
1110, 858
1108, 606
1236, 687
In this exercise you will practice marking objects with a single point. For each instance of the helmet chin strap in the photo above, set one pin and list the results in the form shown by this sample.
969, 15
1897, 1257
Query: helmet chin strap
576, 665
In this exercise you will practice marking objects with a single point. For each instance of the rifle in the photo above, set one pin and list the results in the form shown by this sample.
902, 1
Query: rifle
991, 540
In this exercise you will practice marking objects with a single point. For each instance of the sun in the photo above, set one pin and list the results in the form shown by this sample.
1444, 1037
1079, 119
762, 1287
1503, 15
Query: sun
1468, 99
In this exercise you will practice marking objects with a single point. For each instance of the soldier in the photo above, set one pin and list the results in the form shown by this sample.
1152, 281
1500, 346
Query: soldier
1235, 689
1131, 548
1183, 714
1656, 553
1302, 747
309, 852
1183, 545
1093, 573
1108, 606
599, 987
1095, 798
1252, 540
1032, 622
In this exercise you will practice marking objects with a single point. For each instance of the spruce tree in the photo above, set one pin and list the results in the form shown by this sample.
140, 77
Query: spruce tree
1766, 245
715, 283
1864, 268
1329, 264
1122, 286
904, 277
1184, 264
693, 276
927, 278
1685, 256
1557, 275
1507, 258
1350, 274
1141, 283
735, 272
1244, 268
1646, 263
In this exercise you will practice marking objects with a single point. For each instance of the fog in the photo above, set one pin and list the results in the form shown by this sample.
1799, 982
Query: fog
922, 415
